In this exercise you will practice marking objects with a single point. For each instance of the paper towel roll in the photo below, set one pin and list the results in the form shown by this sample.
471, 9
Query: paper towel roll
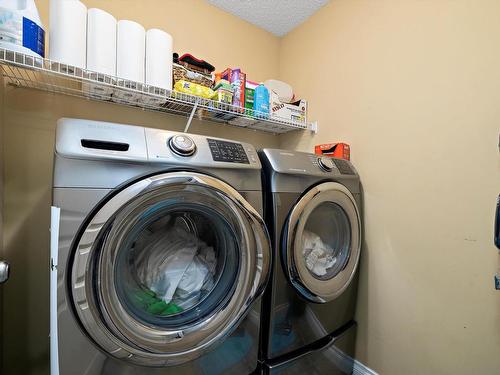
130, 55
101, 51
159, 59
158, 65
101, 42
68, 32
130, 50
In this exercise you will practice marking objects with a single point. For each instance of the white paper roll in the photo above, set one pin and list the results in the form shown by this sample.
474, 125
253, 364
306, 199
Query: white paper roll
68, 32
130, 51
101, 42
101, 52
158, 65
130, 54
159, 59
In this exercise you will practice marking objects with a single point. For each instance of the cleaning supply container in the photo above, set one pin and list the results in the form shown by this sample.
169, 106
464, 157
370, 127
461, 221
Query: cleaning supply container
21, 29
261, 101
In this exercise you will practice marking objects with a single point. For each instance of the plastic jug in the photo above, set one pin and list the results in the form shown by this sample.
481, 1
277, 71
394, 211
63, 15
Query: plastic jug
21, 29
261, 101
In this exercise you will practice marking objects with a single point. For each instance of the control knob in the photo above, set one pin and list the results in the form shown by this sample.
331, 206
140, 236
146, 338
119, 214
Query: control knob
326, 164
182, 145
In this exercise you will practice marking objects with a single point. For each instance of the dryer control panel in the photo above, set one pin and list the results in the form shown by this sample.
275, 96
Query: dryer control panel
301, 163
326, 163
295, 172
332, 165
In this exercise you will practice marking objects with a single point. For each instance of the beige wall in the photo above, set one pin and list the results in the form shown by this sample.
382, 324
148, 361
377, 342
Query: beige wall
29, 129
413, 86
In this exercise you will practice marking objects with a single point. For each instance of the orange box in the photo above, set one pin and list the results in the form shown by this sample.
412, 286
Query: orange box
337, 150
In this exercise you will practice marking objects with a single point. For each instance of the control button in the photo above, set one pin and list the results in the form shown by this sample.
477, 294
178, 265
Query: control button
228, 152
326, 164
182, 145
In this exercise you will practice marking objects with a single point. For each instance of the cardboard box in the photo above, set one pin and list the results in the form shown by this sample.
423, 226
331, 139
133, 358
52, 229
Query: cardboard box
296, 111
238, 80
337, 150
249, 94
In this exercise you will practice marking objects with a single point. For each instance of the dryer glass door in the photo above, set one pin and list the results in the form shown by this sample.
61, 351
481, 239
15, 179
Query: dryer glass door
322, 242
165, 268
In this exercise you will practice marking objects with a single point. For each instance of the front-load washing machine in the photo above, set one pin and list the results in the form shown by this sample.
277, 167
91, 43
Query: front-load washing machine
312, 209
159, 252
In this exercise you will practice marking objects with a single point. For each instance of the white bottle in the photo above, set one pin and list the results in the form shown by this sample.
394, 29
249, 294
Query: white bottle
21, 29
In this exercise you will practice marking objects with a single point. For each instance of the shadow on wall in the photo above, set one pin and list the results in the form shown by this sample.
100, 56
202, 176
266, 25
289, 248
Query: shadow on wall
26, 313
301, 141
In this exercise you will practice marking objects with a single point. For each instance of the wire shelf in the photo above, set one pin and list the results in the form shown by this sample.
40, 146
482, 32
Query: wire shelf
28, 71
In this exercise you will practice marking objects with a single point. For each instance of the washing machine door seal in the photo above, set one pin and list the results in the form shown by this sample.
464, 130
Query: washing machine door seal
96, 285
322, 242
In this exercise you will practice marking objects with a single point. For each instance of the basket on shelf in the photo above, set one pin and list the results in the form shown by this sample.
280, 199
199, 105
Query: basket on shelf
181, 73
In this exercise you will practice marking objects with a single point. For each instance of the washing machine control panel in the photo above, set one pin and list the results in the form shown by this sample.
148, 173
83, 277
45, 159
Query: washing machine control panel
229, 152
194, 150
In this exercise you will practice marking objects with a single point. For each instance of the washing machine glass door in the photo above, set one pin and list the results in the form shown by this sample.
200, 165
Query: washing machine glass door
166, 267
322, 240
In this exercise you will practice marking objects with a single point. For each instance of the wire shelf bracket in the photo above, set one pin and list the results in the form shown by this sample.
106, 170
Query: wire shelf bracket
190, 119
314, 127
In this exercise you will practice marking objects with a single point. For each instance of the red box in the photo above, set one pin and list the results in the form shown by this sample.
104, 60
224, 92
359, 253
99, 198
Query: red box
337, 150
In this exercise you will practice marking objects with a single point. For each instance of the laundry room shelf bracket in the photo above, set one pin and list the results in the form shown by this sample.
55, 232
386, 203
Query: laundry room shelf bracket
314, 127
190, 119
22, 70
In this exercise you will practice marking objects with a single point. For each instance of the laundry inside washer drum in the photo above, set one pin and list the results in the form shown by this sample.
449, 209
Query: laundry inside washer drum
174, 268
318, 256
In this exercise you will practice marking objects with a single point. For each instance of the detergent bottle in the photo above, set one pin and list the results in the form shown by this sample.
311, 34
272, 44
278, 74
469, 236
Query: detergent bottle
261, 101
21, 29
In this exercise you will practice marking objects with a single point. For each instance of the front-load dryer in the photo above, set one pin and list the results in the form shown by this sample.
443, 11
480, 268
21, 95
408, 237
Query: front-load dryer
159, 254
312, 209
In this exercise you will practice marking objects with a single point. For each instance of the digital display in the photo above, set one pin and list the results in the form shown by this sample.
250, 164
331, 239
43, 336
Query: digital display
228, 152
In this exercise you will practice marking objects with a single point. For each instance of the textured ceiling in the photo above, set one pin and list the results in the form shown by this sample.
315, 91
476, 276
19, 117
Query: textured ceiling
276, 16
